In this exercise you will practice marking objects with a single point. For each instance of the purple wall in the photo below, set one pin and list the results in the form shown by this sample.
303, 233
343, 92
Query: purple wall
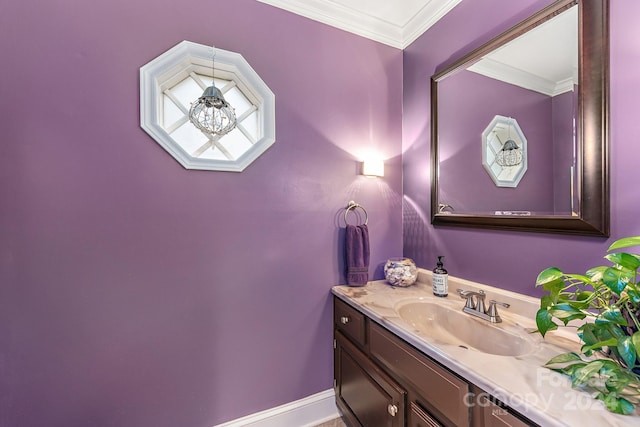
467, 103
512, 260
134, 292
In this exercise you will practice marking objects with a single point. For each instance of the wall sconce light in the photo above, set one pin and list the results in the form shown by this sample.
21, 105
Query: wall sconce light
373, 167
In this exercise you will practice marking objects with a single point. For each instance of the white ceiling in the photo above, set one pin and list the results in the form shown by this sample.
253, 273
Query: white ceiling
395, 23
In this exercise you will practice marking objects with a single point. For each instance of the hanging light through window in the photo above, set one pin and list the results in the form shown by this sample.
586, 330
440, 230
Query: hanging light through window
211, 113
510, 154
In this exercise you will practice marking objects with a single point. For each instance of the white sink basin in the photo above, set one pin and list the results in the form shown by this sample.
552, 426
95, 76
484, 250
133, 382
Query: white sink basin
454, 327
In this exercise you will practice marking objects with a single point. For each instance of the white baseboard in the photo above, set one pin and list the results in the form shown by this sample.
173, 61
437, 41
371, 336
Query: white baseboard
307, 412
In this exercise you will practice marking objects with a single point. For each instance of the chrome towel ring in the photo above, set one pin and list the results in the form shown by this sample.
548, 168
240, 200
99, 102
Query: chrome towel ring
352, 206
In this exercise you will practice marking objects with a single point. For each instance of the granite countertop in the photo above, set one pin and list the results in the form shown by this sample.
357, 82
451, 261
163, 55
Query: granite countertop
521, 382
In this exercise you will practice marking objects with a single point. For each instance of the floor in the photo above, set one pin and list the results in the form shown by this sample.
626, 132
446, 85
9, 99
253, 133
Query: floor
333, 423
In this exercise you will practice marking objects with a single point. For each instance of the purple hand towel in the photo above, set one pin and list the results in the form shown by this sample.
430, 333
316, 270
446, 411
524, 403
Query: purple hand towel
357, 254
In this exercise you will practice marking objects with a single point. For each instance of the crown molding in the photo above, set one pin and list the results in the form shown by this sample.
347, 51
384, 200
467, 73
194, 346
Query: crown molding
425, 19
366, 25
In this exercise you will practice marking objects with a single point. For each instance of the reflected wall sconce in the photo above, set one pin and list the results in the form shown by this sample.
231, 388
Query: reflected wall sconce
373, 168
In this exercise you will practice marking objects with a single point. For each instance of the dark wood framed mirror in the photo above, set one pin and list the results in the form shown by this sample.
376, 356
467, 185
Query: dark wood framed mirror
551, 195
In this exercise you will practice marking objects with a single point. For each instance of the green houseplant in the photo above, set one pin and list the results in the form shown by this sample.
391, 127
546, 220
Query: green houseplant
603, 304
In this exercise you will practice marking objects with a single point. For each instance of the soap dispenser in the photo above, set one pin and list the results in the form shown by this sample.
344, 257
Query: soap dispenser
440, 279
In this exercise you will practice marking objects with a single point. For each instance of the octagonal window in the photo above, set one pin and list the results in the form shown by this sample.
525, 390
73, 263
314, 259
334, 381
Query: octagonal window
504, 151
175, 79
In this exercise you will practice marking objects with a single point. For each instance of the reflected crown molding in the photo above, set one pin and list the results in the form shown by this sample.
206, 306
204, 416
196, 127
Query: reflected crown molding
515, 76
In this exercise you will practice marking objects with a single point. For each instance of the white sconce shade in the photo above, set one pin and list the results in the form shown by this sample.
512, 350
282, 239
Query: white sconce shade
373, 167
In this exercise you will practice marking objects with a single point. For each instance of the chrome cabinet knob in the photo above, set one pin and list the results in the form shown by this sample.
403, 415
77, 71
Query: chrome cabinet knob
344, 320
392, 409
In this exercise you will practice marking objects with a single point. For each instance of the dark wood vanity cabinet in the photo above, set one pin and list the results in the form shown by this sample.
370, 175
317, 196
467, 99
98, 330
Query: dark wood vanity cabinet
381, 381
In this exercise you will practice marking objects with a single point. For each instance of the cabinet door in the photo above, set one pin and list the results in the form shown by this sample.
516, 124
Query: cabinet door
367, 395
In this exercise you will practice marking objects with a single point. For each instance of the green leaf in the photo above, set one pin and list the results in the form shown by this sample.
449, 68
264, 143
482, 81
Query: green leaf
635, 339
595, 273
582, 375
546, 301
554, 289
577, 278
609, 367
564, 310
567, 370
634, 294
564, 358
544, 321
584, 295
614, 315
598, 345
625, 243
565, 313
612, 331
617, 379
628, 261
627, 351
617, 405
616, 280
587, 335
626, 406
548, 275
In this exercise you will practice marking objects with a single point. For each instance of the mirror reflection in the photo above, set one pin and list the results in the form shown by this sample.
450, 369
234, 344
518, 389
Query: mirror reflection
550, 76
532, 82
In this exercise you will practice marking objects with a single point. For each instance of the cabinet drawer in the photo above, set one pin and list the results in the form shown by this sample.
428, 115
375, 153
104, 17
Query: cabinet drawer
498, 416
421, 418
443, 392
349, 321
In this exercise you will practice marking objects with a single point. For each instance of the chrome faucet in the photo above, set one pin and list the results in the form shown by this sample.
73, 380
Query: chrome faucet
475, 305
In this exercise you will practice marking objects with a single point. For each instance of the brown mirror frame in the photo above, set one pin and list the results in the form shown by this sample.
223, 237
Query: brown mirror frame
592, 128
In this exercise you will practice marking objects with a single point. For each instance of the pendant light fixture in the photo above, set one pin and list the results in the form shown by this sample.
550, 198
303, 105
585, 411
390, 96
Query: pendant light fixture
211, 113
511, 153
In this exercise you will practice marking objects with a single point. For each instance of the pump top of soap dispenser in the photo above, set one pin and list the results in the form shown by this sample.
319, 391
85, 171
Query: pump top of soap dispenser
440, 267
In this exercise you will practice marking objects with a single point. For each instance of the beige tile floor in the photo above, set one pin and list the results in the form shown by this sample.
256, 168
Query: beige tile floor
333, 423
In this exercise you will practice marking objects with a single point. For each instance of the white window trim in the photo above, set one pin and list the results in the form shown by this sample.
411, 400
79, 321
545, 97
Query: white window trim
172, 67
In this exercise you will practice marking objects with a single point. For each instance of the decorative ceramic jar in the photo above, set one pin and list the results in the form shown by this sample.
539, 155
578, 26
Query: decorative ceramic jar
400, 271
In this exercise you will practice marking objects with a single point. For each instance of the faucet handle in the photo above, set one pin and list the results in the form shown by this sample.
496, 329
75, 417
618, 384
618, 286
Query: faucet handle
494, 317
504, 304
